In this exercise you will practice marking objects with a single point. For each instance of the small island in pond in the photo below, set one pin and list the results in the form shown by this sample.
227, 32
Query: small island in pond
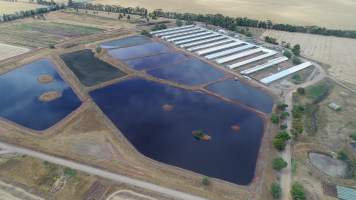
200, 135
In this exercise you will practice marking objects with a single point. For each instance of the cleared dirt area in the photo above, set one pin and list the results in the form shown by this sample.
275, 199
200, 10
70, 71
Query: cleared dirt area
337, 53
329, 165
7, 7
128, 195
340, 14
8, 51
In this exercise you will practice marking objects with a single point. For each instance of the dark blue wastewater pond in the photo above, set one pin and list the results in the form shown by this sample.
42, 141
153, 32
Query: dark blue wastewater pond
143, 50
236, 90
160, 60
125, 42
190, 72
20, 90
159, 120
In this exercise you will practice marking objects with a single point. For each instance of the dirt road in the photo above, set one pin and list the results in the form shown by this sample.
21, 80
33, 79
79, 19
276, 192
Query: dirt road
100, 172
286, 174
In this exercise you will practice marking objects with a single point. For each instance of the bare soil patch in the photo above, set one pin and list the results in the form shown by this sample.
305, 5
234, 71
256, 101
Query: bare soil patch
8, 51
328, 165
45, 78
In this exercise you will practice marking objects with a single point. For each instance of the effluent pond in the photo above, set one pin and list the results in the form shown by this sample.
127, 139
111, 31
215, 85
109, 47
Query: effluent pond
190, 130
35, 96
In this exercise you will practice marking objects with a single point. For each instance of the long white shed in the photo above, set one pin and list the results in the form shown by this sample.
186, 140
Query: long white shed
201, 42
183, 33
238, 55
218, 48
266, 65
228, 52
177, 31
171, 29
284, 73
196, 39
188, 36
254, 59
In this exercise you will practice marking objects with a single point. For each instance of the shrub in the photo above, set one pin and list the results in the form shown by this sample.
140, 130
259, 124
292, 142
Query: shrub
297, 192
279, 144
248, 34
146, 33
69, 172
296, 49
301, 91
98, 49
179, 22
296, 60
283, 126
282, 106
51, 46
205, 181
279, 164
284, 115
275, 118
287, 54
271, 40
276, 190
353, 136
341, 155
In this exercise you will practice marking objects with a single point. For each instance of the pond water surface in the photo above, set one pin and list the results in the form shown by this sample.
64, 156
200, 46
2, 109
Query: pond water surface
190, 72
155, 61
125, 42
20, 90
236, 90
159, 120
143, 50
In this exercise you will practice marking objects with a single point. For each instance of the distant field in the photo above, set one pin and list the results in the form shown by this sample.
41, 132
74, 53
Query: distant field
339, 53
328, 13
12, 7
41, 33
8, 51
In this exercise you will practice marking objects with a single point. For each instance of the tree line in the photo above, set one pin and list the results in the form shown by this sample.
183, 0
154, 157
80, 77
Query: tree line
111, 8
233, 23
28, 13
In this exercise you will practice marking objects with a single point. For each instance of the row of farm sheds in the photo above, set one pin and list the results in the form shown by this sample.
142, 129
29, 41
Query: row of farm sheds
250, 60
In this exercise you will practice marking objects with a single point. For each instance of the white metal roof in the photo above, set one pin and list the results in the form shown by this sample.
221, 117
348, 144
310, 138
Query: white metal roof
192, 44
285, 73
183, 33
345, 193
210, 44
218, 48
195, 39
228, 52
188, 36
254, 59
176, 31
268, 64
238, 55
171, 29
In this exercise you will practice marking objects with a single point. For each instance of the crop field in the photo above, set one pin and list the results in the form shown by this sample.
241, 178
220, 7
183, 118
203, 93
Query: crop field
12, 7
8, 51
337, 53
41, 33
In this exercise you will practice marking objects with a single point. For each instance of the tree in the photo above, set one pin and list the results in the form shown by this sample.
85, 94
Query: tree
296, 49
341, 155
275, 118
353, 136
297, 191
279, 144
282, 106
98, 49
284, 115
301, 91
276, 190
278, 163
146, 33
296, 60
69, 172
205, 181
179, 22
287, 54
